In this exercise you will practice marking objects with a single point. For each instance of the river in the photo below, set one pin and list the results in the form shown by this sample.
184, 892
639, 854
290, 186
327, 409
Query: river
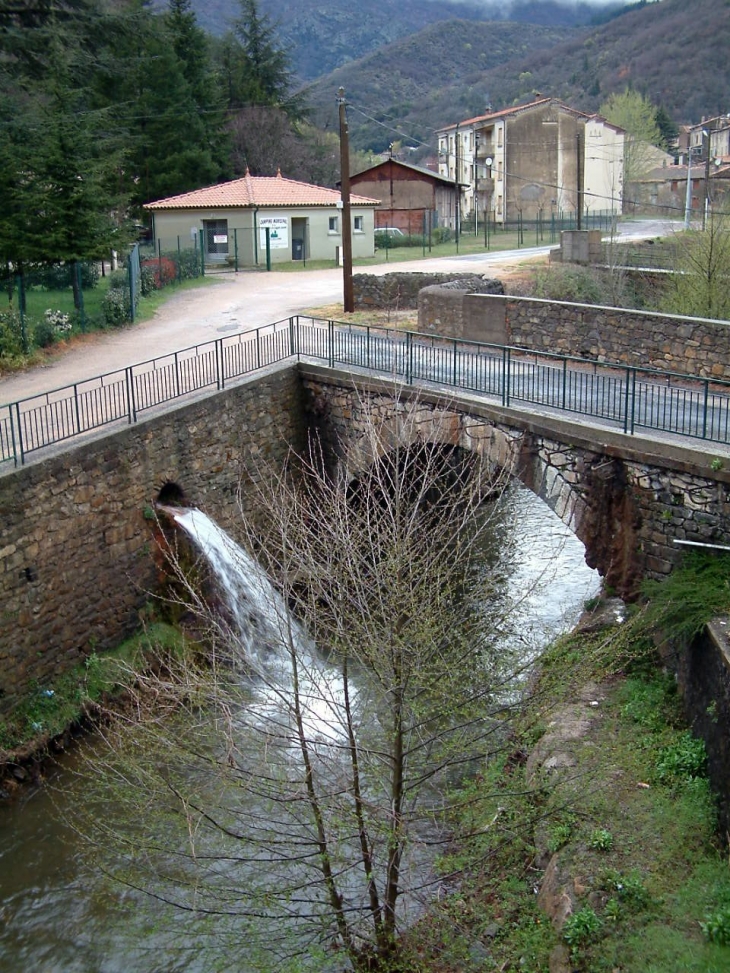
61, 915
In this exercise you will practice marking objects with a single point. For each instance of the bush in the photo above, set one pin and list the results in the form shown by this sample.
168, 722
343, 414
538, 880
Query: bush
441, 234
116, 306
11, 334
188, 264
157, 272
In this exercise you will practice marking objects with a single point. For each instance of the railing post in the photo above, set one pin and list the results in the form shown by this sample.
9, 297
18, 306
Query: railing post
454, 370
367, 345
565, 381
76, 408
131, 408
219, 377
292, 349
331, 343
506, 379
258, 348
409, 357
17, 449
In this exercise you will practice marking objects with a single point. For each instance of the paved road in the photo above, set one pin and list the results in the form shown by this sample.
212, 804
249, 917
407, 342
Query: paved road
231, 303
242, 302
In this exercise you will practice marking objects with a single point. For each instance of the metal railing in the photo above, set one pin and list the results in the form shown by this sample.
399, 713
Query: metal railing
630, 398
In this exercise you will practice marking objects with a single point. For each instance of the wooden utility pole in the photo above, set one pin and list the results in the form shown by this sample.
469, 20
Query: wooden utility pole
348, 294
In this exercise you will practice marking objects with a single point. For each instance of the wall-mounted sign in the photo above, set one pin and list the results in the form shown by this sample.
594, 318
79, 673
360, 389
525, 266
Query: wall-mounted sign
220, 238
278, 232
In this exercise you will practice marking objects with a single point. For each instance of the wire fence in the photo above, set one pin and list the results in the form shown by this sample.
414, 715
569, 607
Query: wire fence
627, 397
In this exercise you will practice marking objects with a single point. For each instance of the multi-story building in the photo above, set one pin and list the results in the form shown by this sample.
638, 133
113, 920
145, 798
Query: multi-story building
534, 160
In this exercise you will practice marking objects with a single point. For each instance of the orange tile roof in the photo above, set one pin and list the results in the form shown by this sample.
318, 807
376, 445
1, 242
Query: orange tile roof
251, 191
515, 110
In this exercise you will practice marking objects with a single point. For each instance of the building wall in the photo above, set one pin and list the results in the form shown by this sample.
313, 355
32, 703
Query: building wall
604, 167
76, 551
320, 242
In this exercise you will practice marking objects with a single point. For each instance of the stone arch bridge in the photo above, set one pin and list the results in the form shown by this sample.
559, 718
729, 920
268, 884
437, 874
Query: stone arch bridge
630, 500
76, 539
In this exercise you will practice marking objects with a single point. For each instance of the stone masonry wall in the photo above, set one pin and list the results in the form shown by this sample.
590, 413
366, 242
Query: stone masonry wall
625, 499
399, 291
693, 346
76, 558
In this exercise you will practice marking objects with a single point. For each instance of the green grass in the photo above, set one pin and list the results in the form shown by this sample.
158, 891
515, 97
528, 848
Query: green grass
49, 709
652, 888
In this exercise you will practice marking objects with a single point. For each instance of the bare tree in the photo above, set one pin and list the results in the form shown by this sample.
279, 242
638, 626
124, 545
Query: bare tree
297, 778
700, 284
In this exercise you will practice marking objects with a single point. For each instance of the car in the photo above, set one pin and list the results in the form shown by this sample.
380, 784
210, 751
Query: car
390, 230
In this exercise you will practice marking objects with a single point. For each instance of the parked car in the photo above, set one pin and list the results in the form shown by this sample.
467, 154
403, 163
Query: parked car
390, 230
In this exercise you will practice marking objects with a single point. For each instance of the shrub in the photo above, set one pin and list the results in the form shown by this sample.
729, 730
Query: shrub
11, 334
116, 306
716, 926
162, 270
188, 263
441, 234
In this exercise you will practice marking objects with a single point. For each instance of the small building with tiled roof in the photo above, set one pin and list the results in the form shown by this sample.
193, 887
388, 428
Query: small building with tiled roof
233, 221
412, 199
533, 161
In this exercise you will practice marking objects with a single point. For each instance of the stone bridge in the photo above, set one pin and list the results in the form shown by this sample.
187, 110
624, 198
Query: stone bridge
628, 499
76, 564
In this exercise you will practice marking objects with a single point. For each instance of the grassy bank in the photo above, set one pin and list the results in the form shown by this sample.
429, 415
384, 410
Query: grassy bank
597, 853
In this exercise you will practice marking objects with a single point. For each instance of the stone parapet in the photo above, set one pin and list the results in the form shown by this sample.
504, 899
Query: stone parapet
399, 290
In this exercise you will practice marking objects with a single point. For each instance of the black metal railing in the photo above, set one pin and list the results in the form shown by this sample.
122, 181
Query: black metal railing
625, 396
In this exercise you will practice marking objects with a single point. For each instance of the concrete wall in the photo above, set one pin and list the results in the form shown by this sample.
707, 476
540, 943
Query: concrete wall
76, 552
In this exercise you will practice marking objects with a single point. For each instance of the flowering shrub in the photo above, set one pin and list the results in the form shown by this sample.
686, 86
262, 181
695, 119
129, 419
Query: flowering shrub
157, 272
60, 322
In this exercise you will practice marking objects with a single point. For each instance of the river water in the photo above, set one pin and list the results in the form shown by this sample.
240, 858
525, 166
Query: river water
59, 914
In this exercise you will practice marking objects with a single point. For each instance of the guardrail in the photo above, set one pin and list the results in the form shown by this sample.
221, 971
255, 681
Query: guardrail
631, 398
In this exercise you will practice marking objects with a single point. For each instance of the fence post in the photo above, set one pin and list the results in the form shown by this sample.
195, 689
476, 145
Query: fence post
76, 408
409, 357
505, 375
20, 437
179, 259
130, 275
219, 377
267, 229
235, 249
565, 381
202, 254
292, 349
177, 377
131, 409
704, 409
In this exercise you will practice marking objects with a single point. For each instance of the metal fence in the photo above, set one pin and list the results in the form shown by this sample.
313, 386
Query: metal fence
629, 398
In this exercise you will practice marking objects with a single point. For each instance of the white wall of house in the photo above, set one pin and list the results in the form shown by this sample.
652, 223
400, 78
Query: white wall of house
603, 175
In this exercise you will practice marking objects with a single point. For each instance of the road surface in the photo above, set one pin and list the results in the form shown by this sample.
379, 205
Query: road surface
242, 302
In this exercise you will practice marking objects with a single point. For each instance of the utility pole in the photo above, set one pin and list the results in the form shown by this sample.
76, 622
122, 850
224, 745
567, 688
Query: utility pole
688, 193
707, 182
348, 293
457, 191
579, 180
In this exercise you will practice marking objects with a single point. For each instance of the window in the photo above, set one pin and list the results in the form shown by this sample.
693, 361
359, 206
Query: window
334, 224
359, 224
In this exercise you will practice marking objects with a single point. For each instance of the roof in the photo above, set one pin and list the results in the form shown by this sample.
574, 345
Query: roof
252, 191
421, 170
515, 110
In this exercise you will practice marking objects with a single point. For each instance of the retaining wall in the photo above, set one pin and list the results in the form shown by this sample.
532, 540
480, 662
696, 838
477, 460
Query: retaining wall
399, 290
692, 346
76, 552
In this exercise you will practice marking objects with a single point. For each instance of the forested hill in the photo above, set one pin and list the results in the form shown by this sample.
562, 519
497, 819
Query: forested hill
322, 35
674, 52
433, 77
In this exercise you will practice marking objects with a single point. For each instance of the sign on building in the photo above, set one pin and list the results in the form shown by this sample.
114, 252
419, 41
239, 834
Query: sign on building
278, 231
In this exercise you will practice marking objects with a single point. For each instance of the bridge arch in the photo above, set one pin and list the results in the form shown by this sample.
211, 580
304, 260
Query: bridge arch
625, 501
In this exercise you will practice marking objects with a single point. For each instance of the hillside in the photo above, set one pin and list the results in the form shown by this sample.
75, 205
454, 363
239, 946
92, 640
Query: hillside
674, 52
433, 77
322, 36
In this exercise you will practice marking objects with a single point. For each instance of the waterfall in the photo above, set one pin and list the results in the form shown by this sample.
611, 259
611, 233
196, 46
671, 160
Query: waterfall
271, 640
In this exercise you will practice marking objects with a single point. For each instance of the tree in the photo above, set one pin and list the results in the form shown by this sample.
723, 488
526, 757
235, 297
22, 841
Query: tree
314, 794
699, 285
635, 114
